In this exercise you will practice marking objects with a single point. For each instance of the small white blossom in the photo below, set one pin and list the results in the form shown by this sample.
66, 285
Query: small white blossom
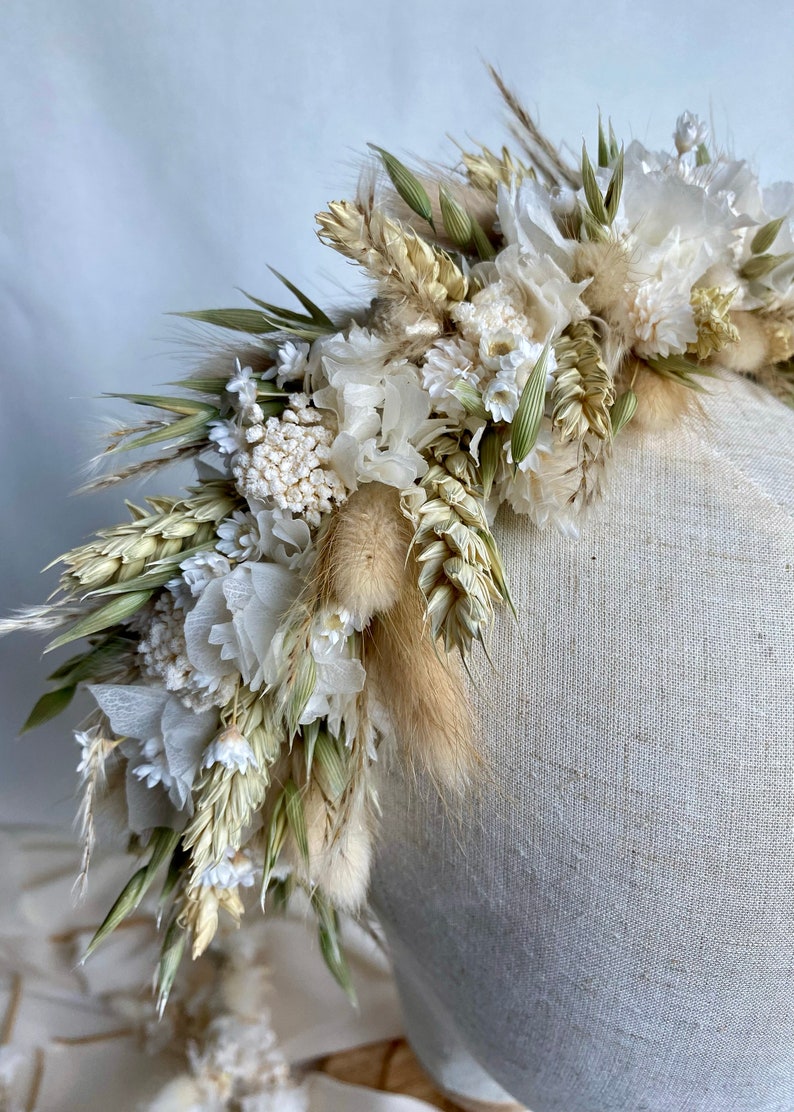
198, 570
154, 768
243, 385
330, 630
227, 436
500, 397
265, 534
230, 749
689, 132
237, 868
291, 362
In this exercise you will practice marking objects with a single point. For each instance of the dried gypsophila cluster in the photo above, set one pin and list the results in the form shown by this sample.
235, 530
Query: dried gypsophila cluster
254, 643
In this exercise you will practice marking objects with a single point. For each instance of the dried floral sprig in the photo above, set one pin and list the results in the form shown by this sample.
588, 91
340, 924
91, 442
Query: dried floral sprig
256, 642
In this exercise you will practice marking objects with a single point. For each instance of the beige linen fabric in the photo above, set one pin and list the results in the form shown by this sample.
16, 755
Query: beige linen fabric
610, 928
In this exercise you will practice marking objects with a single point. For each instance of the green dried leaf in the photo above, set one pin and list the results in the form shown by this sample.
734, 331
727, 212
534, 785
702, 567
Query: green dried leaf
78, 669
120, 608
186, 429
185, 406
170, 959
202, 384
470, 398
680, 369
300, 691
614, 190
331, 771
236, 320
314, 311
490, 455
331, 946
526, 423
309, 734
622, 411
276, 835
603, 146
407, 185
702, 156
761, 265
49, 706
293, 808
591, 191
766, 236
614, 146
595, 231
482, 244
457, 221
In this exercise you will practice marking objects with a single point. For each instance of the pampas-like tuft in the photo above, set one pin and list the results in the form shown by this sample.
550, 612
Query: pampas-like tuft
361, 564
607, 266
340, 854
751, 351
421, 689
661, 402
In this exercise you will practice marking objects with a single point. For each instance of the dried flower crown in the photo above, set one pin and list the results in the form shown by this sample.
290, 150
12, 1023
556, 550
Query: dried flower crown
254, 642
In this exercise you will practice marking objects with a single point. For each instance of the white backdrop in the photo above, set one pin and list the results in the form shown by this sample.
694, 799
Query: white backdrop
156, 154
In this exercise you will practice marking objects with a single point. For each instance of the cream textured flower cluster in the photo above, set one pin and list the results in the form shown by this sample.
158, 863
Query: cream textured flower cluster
253, 644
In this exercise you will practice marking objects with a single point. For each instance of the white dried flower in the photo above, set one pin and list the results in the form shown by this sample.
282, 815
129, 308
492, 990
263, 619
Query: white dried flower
689, 132
500, 396
237, 868
163, 655
291, 363
291, 463
449, 361
230, 749
243, 385
227, 436
198, 570
265, 534
657, 317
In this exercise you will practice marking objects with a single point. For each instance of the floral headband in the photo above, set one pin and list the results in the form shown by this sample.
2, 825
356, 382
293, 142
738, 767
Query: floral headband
257, 643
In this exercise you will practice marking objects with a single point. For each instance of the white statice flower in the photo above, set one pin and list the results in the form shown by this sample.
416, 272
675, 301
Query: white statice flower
447, 363
164, 744
229, 633
291, 463
198, 570
379, 406
236, 869
291, 363
163, 656
544, 482
266, 534
230, 749
228, 436
657, 316
689, 132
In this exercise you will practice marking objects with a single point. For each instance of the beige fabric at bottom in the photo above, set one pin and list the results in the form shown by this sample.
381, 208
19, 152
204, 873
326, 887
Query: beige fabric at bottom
610, 928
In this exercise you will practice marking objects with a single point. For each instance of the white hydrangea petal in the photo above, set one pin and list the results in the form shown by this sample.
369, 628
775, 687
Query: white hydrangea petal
133, 710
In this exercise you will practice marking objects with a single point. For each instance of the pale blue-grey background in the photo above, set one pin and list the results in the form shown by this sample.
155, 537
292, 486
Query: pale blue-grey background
156, 154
